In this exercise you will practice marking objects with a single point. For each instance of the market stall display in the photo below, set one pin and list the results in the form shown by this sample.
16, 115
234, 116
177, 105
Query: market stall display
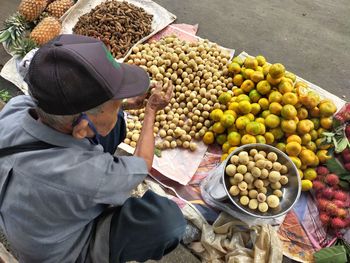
269, 106
197, 71
119, 25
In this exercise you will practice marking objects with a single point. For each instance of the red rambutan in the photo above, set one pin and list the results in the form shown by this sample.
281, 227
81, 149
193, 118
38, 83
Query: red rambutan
342, 213
322, 204
338, 223
331, 209
340, 195
324, 219
332, 179
322, 170
328, 193
340, 204
318, 186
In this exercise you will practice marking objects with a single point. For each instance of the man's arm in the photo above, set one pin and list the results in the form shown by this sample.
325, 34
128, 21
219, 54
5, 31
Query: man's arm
157, 101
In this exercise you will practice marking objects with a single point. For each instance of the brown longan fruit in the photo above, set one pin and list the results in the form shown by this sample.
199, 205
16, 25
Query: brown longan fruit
253, 204
263, 207
244, 200
234, 190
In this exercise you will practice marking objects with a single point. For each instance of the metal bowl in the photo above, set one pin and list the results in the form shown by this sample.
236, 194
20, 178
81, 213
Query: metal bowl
291, 191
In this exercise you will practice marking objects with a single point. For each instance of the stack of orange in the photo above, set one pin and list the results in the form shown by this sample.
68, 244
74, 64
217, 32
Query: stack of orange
268, 105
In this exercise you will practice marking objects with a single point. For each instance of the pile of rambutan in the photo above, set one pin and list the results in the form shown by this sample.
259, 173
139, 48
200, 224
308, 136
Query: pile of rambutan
333, 203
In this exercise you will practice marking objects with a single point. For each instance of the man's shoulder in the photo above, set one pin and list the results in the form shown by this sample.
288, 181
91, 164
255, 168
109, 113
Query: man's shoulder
16, 105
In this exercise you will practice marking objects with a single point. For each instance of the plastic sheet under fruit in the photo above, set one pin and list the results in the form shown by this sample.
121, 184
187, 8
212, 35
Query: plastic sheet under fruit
161, 16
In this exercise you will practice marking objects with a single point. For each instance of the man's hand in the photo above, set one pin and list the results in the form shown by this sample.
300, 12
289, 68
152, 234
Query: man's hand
160, 99
135, 102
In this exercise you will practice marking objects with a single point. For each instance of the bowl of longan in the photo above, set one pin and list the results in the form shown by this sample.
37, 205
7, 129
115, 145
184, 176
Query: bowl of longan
261, 180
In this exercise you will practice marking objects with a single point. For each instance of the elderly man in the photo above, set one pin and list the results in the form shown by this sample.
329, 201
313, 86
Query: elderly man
64, 197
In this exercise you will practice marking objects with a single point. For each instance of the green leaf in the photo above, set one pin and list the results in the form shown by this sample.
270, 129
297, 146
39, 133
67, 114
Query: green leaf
328, 133
157, 152
344, 184
335, 254
341, 145
335, 166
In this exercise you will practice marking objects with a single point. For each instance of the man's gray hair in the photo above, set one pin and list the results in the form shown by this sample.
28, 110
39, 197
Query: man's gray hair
62, 121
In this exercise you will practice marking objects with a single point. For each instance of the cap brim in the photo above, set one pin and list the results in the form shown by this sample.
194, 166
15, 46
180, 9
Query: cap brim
135, 82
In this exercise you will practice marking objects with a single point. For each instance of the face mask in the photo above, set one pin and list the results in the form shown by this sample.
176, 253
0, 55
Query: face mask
94, 140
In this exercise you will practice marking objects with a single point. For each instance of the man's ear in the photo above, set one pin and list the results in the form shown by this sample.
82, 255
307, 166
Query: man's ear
80, 130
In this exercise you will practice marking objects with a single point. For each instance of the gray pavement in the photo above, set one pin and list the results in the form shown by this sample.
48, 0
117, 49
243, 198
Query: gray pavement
311, 38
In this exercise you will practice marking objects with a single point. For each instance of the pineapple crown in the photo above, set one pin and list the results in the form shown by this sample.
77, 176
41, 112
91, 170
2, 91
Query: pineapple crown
72, 74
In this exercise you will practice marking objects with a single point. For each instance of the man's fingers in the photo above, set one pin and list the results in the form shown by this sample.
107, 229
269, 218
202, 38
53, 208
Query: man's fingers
170, 88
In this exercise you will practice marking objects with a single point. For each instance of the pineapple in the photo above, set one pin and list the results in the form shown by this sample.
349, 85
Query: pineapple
31, 9
59, 7
23, 47
14, 29
46, 30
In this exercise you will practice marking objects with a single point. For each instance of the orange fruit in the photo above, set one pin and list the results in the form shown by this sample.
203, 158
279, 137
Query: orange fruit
261, 60
234, 67
277, 70
296, 161
293, 148
302, 113
327, 108
316, 122
245, 107
305, 139
242, 97
223, 157
269, 137
294, 138
301, 174
264, 103
216, 114
320, 132
326, 122
225, 147
237, 91
234, 106
281, 146
227, 120
272, 81
234, 138
263, 87
305, 126
290, 76
232, 149
248, 139
275, 96
311, 146
241, 122
310, 174
290, 98
221, 139
265, 113
307, 157
277, 133
288, 126
321, 144
266, 69
253, 128
323, 156
315, 112
285, 86
250, 116
288, 112
251, 63
208, 137
260, 139
218, 128
275, 108
224, 98
272, 121
238, 80
255, 108
231, 112
257, 76
260, 120
254, 95
238, 60
247, 73
247, 85
314, 135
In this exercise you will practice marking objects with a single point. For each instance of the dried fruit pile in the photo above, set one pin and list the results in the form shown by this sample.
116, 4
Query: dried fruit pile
118, 24
257, 178
267, 105
333, 203
197, 71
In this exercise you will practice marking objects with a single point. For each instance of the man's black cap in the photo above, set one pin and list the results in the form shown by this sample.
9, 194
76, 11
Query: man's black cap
73, 73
